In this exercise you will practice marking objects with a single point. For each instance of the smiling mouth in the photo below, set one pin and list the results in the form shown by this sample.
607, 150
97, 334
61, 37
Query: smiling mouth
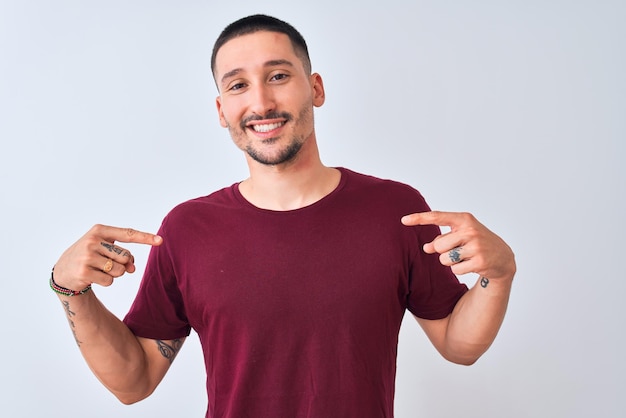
266, 127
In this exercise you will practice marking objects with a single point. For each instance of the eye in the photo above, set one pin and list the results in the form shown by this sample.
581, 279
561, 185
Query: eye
236, 86
279, 77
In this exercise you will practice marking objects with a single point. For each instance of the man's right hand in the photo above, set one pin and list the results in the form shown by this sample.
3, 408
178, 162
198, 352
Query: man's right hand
95, 258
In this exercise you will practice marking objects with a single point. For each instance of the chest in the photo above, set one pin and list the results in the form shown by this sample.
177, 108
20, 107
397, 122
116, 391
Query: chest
247, 274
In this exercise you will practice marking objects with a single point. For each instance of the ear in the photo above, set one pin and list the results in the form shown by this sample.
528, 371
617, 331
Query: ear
218, 104
317, 85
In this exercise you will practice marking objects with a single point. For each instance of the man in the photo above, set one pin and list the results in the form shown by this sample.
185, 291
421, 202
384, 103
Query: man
295, 279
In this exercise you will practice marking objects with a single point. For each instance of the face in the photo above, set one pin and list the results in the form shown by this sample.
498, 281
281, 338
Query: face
266, 98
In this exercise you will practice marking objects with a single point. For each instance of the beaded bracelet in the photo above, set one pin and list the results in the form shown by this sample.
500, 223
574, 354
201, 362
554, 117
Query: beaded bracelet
64, 291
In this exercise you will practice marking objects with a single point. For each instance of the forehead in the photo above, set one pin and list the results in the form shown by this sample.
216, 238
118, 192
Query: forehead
251, 50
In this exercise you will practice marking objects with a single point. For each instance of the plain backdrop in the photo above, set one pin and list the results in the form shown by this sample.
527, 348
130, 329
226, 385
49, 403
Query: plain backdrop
512, 110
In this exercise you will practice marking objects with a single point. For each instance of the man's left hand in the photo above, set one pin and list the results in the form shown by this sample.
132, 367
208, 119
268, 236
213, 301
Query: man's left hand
468, 247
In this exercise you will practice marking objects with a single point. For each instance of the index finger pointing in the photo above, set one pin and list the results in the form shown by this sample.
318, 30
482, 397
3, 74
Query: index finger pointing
439, 218
113, 233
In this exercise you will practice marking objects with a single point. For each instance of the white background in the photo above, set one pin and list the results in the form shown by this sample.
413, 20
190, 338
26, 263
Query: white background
515, 111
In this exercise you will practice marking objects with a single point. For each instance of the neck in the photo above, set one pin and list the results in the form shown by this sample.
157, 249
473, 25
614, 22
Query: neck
293, 185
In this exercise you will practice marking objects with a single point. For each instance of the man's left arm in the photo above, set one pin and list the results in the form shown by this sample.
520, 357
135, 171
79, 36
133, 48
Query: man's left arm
469, 330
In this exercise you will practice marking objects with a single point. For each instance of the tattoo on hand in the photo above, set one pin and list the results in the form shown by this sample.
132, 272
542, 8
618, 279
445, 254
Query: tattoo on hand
455, 255
70, 314
169, 351
115, 249
484, 282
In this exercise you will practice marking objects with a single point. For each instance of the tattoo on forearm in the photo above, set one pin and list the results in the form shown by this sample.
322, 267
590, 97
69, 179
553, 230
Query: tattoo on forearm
115, 249
484, 282
169, 351
69, 313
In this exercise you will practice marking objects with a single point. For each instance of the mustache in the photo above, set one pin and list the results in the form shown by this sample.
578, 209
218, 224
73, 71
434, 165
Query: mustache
270, 115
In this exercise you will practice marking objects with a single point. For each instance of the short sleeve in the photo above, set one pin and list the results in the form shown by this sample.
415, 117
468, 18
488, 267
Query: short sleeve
434, 289
158, 311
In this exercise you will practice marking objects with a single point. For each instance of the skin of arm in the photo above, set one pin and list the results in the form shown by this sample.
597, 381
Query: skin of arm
467, 333
471, 328
129, 366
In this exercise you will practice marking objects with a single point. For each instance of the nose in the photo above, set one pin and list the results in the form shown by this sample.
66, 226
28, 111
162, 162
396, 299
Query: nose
262, 100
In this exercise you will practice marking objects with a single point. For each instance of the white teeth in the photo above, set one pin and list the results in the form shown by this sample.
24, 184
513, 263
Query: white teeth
266, 127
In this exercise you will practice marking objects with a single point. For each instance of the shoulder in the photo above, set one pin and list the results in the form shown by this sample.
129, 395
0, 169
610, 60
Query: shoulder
224, 197
389, 191
205, 208
367, 180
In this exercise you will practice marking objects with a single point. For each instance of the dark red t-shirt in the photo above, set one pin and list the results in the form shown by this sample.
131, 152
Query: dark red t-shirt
298, 312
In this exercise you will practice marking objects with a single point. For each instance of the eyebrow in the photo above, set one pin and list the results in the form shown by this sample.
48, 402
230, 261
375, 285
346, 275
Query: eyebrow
270, 63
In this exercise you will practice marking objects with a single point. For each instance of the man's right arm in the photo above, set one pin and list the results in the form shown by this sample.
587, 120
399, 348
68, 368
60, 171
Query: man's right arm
129, 366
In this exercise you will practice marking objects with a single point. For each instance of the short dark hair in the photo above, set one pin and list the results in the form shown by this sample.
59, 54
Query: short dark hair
257, 23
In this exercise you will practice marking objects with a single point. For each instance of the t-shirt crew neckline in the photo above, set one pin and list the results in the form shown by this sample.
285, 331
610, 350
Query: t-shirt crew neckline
342, 181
